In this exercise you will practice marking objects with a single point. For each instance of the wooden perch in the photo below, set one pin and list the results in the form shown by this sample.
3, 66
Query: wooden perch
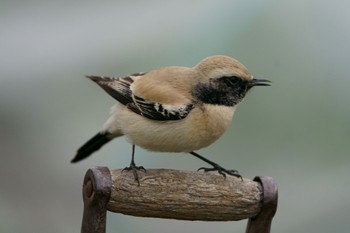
178, 195
184, 195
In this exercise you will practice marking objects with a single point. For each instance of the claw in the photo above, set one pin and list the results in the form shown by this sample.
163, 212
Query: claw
133, 167
222, 171
216, 167
134, 170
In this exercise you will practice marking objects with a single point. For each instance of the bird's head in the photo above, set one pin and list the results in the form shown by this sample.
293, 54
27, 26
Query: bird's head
225, 81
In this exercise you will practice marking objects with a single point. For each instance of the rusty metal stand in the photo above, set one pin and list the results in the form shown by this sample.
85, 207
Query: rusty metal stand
97, 192
262, 222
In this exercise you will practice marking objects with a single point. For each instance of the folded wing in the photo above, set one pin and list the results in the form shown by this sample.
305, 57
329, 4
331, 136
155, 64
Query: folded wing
121, 90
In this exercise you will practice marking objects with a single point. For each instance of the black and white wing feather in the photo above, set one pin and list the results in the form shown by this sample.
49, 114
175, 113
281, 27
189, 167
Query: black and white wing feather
120, 89
117, 87
159, 112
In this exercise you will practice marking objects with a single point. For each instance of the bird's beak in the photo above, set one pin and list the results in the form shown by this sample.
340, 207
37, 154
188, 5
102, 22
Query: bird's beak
259, 82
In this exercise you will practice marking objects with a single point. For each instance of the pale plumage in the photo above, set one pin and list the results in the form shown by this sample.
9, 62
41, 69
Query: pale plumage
174, 109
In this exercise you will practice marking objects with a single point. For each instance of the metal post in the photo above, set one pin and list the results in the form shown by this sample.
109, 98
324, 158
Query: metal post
262, 222
96, 193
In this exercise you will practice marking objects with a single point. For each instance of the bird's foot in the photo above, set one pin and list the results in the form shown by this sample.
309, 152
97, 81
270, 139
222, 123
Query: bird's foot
134, 170
222, 171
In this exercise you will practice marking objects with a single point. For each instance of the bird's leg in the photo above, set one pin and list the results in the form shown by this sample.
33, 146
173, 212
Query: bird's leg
216, 167
133, 166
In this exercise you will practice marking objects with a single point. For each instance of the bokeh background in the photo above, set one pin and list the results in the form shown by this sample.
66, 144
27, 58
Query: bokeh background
296, 131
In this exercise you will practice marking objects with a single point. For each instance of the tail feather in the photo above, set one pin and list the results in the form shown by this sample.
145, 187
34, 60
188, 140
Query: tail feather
95, 143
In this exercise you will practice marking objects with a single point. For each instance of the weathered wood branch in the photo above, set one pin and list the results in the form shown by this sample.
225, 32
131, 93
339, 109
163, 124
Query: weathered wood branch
184, 195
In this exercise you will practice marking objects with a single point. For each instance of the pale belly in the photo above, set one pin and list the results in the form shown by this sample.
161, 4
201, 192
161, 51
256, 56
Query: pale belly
199, 129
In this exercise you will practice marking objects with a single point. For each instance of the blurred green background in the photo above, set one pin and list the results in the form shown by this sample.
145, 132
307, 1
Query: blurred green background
296, 131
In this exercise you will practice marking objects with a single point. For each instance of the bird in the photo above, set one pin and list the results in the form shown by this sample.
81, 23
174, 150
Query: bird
174, 108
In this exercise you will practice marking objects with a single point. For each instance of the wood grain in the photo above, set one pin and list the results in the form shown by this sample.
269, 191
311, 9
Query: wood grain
184, 195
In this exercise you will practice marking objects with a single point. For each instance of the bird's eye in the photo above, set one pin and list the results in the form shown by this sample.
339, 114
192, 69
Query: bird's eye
234, 79
231, 80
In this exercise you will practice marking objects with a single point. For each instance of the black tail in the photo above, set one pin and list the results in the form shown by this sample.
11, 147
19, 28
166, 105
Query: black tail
95, 143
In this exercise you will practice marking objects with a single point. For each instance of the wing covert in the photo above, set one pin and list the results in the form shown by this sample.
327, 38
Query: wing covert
117, 87
158, 111
120, 89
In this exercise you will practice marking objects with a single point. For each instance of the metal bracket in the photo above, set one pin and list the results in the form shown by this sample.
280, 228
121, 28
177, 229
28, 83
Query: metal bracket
262, 222
97, 192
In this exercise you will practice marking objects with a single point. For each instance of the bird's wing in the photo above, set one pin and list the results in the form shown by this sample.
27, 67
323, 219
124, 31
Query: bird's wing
118, 88
121, 90
158, 111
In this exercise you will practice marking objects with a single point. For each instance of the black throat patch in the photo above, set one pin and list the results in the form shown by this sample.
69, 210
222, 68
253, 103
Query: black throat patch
221, 91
